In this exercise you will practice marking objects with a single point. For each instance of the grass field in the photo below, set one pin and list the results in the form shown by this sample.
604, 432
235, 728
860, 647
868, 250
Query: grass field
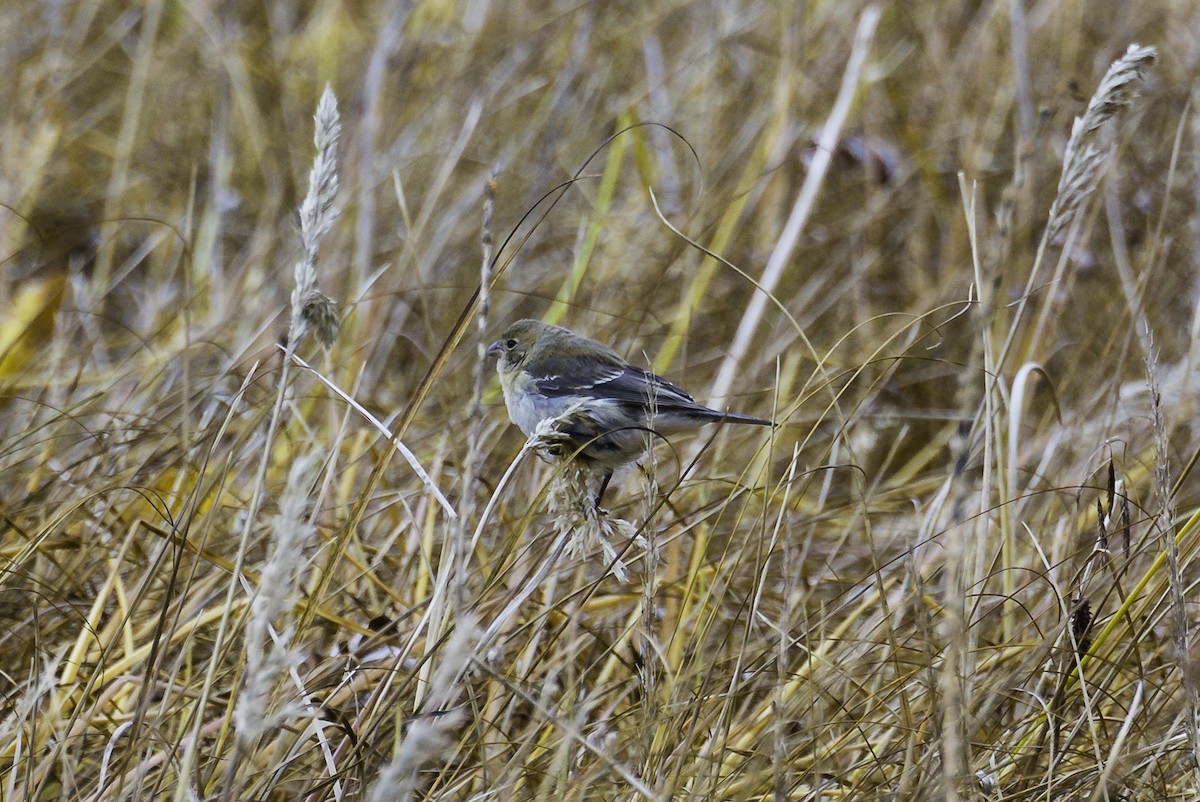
247, 553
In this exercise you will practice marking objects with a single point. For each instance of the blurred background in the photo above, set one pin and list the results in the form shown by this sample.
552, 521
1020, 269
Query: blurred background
164, 146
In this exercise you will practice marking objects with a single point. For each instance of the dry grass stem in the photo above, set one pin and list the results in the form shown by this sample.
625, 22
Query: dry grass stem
1087, 148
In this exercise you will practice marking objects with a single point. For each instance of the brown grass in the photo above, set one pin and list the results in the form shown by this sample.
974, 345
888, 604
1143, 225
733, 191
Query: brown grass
963, 568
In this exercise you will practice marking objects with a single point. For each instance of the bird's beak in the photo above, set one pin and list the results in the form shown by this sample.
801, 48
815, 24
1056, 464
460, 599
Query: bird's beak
495, 349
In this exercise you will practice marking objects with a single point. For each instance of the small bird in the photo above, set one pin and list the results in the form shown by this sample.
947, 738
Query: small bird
603, 406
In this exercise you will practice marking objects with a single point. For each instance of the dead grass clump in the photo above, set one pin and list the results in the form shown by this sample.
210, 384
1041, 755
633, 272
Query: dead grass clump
961, 569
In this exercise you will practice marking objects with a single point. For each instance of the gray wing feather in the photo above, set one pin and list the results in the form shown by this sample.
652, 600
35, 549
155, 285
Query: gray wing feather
623, 384
631, 387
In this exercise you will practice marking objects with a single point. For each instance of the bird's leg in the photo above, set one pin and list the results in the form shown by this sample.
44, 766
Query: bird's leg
608, 474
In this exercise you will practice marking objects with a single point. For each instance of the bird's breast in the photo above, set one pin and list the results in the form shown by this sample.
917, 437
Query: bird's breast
527, 407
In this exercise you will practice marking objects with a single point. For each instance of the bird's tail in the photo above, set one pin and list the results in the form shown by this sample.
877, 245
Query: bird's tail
733, 417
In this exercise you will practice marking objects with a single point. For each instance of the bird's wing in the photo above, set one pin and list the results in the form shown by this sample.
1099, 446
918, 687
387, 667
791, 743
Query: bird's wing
633, 388
613, 381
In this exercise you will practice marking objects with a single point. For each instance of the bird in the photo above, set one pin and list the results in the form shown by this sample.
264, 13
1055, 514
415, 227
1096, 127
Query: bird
602, 407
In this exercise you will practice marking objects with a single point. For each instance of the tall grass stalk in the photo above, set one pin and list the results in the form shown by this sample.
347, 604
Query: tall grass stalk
1087, 151
310, 310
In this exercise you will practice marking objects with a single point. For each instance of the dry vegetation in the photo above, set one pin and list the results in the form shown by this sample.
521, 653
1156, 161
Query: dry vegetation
962, 568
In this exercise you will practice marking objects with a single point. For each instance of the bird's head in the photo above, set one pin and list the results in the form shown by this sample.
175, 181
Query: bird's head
520, 340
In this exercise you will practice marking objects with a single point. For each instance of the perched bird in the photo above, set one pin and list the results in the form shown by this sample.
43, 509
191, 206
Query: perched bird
603, 405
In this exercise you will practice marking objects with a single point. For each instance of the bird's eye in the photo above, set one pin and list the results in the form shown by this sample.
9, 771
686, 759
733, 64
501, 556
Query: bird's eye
510, 344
